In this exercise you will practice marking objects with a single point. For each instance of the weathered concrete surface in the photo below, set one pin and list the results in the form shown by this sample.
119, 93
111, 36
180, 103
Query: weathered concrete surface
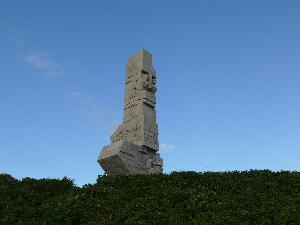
135, 143
123, 157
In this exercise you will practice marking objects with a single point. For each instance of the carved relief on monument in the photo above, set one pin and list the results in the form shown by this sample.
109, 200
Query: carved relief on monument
147, 82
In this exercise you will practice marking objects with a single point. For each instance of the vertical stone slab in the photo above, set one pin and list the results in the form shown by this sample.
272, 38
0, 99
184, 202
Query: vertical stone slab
139, 126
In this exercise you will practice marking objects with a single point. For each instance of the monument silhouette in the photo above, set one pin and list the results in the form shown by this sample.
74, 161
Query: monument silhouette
134, 145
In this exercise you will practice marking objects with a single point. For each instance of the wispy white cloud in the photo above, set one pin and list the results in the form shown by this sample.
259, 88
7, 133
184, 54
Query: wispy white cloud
100, 115
167, 147
43, 62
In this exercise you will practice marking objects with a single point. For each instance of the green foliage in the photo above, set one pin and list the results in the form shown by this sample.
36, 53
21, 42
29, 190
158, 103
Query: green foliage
249, 197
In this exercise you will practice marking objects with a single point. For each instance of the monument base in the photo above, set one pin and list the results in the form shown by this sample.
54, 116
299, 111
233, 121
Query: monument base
125, 158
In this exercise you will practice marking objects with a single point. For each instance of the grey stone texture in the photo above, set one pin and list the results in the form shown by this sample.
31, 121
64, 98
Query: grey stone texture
134, 145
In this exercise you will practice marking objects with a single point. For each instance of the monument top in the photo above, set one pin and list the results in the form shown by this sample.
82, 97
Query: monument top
141, 55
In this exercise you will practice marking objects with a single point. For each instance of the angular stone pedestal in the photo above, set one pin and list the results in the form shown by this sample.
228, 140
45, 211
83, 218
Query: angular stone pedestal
124, 158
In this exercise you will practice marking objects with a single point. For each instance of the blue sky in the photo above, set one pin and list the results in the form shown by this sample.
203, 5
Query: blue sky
228, 83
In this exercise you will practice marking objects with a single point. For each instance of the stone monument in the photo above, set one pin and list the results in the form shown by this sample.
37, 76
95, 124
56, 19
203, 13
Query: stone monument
134, 145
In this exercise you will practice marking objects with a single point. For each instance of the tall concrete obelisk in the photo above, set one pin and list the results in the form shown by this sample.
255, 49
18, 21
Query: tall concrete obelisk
134, 145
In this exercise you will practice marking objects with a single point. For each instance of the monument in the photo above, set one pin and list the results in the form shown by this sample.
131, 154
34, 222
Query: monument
134, 145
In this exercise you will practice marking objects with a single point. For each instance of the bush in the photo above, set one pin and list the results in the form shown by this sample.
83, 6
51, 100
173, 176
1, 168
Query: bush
249, 197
